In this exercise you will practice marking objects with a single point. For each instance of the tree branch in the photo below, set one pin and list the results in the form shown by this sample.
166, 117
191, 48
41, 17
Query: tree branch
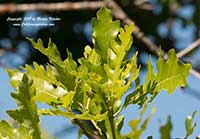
188, 49
62, 6
85, 131
195, 73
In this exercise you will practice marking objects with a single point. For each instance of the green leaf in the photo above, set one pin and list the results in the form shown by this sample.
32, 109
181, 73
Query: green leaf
95, 106
44, 82
69, 62
70, 115
15, 77
26, 114
48, 89
67, 99
104, 31
165, 130
120, 47
51, 51
138, 96
138, 126
188, 124
91, 56
8, 132
170, 74
62, 70
129, 73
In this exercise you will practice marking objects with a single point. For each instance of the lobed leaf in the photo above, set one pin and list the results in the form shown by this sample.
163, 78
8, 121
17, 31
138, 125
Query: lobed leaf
44, 82
26, 114
104, 31
170, 74
61, 69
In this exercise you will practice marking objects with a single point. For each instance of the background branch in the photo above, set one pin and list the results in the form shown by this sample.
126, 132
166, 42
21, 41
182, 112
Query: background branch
62, 6
93, 5
188, 49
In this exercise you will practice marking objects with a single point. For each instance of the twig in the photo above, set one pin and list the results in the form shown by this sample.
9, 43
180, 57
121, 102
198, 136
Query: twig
188, 49
62, 6
143, 4
146, 7
195, 73
138, 34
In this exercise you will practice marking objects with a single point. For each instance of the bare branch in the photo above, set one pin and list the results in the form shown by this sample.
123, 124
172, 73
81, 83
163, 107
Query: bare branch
62, 6
188, 49
195, 73
143, 4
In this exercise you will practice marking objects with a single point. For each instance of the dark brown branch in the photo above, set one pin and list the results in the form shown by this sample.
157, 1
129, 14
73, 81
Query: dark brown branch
62, 6
85, 131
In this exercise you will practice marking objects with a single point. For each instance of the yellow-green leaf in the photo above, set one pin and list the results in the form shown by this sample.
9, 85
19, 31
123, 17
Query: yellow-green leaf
104, 31
8, 132
26, 114
84, 116
170, 74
